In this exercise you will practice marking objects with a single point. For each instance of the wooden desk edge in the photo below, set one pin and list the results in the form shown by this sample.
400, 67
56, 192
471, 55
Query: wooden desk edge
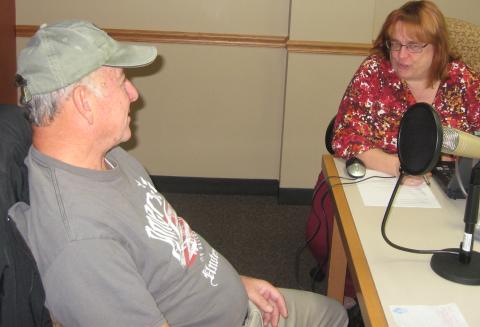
372, 310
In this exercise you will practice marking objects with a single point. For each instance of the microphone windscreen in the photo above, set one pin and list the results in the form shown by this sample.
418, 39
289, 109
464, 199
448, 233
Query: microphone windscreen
460, 143
419, 139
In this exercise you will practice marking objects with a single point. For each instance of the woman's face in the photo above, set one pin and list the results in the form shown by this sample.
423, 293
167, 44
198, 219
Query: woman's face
409, 66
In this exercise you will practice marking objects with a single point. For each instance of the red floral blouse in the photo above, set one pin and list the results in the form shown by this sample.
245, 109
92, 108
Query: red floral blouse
376, 99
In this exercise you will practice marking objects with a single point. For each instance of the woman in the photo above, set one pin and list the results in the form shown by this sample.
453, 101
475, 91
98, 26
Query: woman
411, 61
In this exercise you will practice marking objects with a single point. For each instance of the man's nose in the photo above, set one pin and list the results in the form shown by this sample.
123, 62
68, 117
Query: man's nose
132, 91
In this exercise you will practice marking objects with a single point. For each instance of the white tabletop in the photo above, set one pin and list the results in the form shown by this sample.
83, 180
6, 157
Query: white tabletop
403, 278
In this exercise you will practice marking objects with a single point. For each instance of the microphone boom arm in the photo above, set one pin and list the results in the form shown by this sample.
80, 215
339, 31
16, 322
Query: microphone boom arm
471, 214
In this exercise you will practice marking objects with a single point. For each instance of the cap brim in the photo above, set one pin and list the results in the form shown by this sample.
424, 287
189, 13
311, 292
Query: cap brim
129, 55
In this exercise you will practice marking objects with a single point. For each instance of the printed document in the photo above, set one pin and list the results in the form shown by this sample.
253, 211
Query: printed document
376, 192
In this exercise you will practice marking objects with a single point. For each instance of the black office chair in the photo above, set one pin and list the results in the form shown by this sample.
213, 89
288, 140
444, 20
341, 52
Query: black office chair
329, 135
22, 296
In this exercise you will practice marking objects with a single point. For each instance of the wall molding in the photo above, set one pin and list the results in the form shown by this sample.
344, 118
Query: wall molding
179, 37
360, 49
294, 46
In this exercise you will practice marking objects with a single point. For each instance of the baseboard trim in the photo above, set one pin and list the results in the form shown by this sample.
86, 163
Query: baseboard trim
299, 196
203, 185
240, 186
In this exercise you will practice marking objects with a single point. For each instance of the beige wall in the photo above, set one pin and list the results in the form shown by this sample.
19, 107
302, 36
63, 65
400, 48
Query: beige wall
332, 21
267, 17
232, 111
213, 111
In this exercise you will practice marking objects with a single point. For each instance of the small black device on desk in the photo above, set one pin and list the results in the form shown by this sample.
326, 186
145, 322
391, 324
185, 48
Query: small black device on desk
445, 174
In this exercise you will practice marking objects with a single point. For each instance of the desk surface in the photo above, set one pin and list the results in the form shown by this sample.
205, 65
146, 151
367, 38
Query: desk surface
385, 276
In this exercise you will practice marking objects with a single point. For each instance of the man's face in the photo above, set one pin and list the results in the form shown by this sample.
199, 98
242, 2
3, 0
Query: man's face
113, 105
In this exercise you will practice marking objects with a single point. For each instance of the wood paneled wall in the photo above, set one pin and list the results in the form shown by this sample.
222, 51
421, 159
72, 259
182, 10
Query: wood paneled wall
8, 92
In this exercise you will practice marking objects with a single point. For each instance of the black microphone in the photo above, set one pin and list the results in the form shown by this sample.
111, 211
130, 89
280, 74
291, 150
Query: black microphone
421, 140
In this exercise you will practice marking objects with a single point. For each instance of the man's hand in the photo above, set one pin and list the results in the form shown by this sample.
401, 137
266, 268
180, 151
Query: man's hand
267, 298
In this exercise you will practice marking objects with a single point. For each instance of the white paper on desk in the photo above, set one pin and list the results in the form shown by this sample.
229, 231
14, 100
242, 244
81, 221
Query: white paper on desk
376, 192
447, 315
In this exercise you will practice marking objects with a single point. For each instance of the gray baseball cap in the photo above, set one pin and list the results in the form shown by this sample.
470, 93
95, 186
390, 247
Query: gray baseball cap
63, 53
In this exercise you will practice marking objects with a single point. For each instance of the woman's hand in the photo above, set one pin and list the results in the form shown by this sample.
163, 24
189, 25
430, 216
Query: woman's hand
267, 298
378, 160
390, 164
411, 180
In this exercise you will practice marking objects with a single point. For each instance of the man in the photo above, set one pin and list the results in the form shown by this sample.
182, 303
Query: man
110, 249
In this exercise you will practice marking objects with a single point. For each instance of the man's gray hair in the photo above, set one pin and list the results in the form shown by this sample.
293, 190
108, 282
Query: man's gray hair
43, 108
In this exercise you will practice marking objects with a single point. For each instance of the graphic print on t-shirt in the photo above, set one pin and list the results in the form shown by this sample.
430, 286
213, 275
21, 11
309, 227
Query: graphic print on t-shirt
165, 225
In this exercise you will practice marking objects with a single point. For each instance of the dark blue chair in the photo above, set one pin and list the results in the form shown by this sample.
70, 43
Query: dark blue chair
22, 297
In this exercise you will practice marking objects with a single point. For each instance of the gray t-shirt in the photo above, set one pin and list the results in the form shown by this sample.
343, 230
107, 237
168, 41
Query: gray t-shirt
112, 252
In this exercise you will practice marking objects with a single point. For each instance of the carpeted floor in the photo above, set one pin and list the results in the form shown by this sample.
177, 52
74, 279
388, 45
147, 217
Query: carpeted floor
258, 236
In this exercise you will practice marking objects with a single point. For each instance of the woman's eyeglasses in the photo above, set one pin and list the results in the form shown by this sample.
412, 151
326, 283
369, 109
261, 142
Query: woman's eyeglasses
411, 47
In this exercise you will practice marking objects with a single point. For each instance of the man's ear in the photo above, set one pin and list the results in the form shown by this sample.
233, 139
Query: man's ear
81, 96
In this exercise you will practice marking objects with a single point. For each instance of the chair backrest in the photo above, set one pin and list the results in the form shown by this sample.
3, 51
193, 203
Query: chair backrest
465, 40
329, 135
22, 296
15, 140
